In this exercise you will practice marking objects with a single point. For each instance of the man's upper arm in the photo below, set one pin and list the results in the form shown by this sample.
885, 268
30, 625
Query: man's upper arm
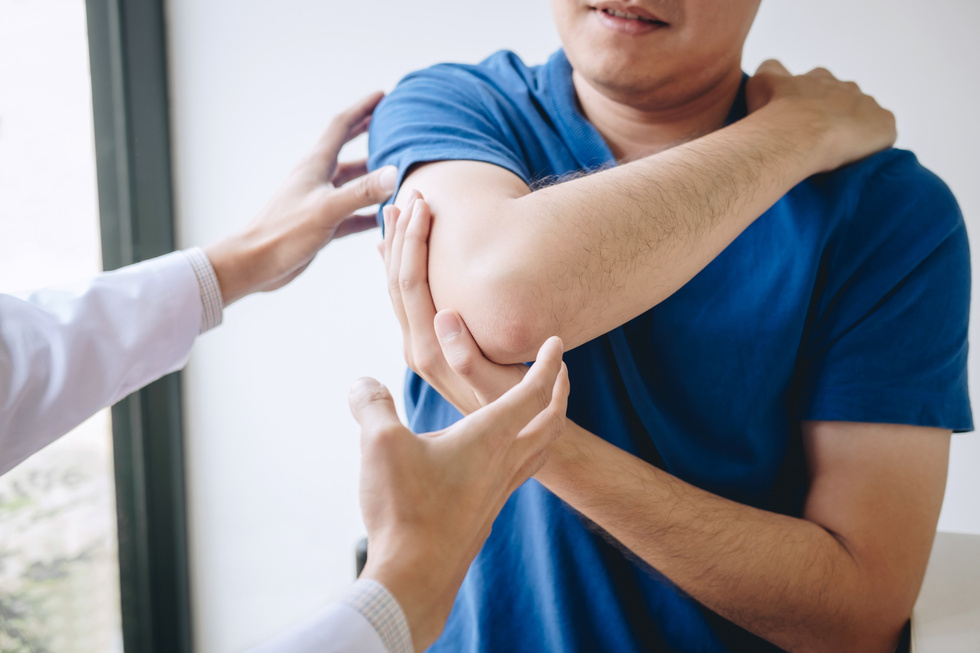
442, 130
878, 488
883, 378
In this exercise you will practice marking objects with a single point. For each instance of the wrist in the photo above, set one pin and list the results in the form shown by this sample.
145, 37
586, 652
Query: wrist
413, 581
235, 263
807, 134
565, 455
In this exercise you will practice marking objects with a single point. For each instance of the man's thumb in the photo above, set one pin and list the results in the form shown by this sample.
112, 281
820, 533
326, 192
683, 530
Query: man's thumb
373, 188
772, 67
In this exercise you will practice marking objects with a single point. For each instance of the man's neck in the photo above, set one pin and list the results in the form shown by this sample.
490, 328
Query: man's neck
634, 127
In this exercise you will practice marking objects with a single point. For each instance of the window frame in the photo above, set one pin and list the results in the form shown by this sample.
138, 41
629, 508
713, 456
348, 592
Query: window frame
128, 59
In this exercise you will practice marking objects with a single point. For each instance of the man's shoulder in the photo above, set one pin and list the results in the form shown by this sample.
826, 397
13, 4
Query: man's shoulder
892, 191
503, 72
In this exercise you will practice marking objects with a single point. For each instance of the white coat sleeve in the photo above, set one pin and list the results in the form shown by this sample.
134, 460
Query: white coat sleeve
367, 619
66, 353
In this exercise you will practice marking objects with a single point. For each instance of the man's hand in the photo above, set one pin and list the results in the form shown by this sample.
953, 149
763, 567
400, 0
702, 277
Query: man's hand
579, 258
847, 123
315, 204
430, 500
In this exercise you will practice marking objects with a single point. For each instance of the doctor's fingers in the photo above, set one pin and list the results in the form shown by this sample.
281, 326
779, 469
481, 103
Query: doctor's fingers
346, 125
394, 250
392, 217
500, 422
348, 170
487, 379
372, 188
548, 425
355, 224
374, 408
413, 286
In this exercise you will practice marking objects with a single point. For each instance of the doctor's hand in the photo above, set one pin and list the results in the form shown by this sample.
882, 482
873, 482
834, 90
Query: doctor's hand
438, 346
429, 500
315, 204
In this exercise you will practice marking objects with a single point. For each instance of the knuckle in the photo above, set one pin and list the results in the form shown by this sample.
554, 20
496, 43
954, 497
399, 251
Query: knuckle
426, 361
393, 283
542, 395
387, 433
406, 283
364, 189
557, 423
462, 363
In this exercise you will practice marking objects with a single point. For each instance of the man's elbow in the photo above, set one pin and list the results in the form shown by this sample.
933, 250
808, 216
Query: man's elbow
501, 309
876, 626
509, 336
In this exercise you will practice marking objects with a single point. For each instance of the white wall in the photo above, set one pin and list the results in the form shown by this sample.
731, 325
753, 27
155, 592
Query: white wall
272, 451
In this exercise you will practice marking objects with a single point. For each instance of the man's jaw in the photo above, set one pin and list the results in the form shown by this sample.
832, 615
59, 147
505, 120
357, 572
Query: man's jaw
627, 18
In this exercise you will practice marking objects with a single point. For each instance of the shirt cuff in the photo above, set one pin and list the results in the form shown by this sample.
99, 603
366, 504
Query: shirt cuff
212, 303
379, 607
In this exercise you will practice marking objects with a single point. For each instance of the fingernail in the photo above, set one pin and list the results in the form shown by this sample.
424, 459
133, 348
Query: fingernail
388, 178
447, 325
418, 208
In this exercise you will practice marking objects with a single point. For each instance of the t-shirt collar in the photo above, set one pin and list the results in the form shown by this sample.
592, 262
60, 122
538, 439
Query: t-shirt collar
584, 141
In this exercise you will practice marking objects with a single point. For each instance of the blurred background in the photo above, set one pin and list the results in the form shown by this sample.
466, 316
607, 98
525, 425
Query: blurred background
270, 450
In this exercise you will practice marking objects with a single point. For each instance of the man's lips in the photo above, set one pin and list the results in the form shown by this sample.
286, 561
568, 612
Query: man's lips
627, 22
624, 11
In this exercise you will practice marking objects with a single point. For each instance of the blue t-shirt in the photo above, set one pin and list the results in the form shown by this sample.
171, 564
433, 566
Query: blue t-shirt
848, 300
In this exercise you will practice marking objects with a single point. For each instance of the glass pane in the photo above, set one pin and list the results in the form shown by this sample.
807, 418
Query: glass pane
59, 578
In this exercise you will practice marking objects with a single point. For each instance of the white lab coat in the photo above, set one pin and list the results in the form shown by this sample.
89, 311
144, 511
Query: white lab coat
66, 353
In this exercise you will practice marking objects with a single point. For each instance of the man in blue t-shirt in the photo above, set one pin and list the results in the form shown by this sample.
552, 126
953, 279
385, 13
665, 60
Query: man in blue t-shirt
767, 354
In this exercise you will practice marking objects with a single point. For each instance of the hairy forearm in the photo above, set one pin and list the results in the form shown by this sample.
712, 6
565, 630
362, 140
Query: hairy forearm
787, 580
582, 257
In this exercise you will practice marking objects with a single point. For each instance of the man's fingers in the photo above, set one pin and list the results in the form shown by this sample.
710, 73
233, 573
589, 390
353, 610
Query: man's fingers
348, 170
339, 130
372, 406
372, 188
772, 67
821, 72
355, 224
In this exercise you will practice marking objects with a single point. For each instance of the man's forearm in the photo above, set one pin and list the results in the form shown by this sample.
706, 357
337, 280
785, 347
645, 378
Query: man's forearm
582, 257
787, 580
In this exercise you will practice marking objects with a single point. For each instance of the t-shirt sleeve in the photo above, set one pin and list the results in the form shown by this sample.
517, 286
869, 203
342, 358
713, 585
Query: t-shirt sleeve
446, 112
887, 333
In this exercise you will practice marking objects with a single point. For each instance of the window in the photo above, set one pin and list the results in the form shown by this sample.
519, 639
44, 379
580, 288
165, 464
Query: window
59, 570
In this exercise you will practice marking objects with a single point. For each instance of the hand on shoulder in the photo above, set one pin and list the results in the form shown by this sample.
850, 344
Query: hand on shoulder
844, 123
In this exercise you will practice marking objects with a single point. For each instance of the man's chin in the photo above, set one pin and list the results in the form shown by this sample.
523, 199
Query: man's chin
617, 77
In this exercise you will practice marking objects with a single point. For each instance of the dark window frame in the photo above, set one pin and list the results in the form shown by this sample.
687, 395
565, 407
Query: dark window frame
128, 59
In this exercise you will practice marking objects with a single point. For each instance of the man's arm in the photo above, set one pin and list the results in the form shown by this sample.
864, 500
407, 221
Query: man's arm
582, 257
844, 577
